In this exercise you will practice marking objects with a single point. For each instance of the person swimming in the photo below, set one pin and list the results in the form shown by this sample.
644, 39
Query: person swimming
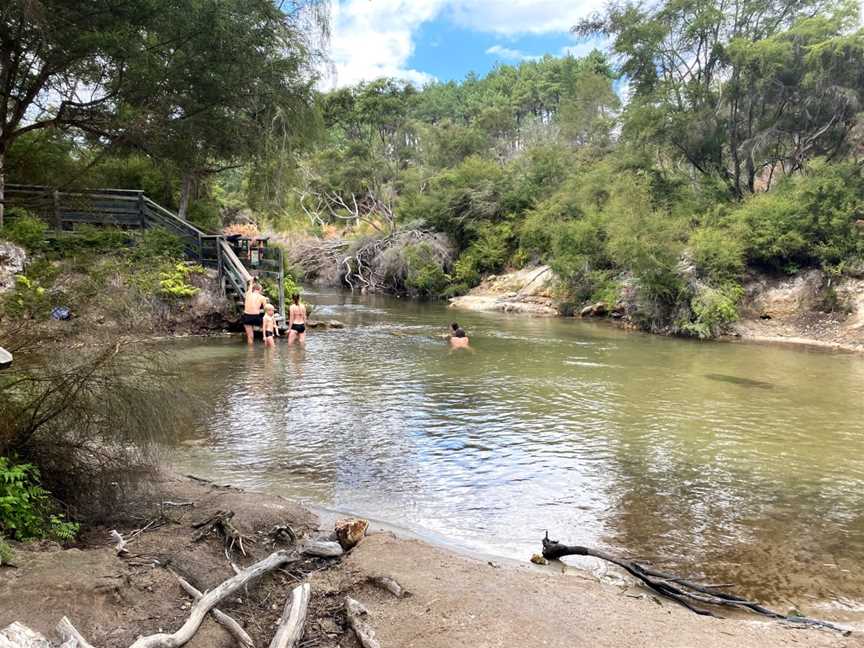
458, 337
296, 321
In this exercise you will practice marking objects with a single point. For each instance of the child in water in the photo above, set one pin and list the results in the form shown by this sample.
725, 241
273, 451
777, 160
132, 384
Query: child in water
268, 326
458, 337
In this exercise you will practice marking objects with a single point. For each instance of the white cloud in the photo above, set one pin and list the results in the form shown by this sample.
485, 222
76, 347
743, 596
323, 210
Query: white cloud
583, 48
508, 54
513, 17
375, 38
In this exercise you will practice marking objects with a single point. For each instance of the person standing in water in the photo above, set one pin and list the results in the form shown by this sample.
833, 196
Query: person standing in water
253, 302
269, 327
458, 337
296, 321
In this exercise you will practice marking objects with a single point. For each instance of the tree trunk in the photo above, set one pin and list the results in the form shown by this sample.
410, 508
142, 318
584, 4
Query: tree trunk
185, 194
2, 183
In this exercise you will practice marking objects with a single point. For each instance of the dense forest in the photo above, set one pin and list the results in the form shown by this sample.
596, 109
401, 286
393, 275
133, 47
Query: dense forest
712, 139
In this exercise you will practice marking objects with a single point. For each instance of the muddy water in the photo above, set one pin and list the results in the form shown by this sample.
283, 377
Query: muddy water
737, 463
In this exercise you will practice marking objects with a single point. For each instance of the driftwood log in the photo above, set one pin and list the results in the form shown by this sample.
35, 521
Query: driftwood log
290, 629
321, 549
357, 614
683, 591
70, 635
211, 599
226, 621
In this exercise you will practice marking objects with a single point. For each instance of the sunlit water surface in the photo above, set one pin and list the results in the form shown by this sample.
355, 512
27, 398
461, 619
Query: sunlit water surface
737, 463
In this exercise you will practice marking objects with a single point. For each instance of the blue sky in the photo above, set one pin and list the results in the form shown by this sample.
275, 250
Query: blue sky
425, 40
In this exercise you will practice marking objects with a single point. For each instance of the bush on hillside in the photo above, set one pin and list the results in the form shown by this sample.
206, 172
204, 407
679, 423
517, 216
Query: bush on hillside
806, 220
25, 229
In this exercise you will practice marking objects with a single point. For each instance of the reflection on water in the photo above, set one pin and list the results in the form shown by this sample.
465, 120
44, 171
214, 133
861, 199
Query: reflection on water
739, 464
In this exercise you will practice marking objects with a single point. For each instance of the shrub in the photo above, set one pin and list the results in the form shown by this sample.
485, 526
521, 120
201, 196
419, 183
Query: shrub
425, 275
713, 310
92, 239
173, 280
488, 253
717, 253
6, 554
26, 509
806, 220
86, 417
30, 298
157, 242
25, 229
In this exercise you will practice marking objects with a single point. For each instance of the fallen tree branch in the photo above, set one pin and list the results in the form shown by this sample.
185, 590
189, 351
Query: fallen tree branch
355, 612
321, 549
210, 600
681, 590
69, 633
290, 629
229, 623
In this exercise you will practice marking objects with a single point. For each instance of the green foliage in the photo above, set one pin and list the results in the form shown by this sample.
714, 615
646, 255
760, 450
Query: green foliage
25, 229
713, 310
490, 250
26, 509
205, 215
167, 278
809, 219
88, 240
31, 297
6, 555
174, 279
425, 276
718, 253
157, 242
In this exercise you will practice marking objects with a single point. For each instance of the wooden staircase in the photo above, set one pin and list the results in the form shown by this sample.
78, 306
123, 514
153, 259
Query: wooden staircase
131, 209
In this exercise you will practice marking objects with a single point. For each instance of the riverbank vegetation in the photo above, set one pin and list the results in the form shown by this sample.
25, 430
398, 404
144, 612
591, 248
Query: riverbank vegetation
703, 146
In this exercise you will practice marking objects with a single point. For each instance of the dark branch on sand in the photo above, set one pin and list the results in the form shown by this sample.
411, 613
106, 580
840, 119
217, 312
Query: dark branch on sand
682, 591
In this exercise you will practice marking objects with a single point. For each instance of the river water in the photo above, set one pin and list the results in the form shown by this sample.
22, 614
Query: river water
731, 462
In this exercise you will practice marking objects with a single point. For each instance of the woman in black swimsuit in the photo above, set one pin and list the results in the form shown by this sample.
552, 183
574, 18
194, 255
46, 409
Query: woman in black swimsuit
296, 321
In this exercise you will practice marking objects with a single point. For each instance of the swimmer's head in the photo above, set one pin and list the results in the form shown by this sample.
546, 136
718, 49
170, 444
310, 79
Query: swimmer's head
454, 326
269, 309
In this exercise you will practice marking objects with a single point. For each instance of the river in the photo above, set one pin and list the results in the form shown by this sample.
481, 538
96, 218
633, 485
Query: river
731, 462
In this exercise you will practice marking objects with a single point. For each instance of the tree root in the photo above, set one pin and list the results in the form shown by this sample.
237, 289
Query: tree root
682, 591
220, 522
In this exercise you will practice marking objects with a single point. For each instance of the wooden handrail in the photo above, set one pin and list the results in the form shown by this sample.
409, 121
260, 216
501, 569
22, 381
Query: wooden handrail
132, 208
229, 256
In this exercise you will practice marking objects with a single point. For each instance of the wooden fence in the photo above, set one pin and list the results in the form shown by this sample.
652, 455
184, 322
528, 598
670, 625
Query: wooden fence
131, 209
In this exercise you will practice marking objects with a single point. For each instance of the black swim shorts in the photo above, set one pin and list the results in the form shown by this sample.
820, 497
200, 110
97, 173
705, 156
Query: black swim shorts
252, 320
300, 328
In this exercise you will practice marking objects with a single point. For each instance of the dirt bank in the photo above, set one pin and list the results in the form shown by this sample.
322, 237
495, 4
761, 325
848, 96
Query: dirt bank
455, 600
804, 309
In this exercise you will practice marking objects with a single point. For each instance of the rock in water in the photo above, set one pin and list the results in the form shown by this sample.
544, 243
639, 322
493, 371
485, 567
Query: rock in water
600, 309
350, 532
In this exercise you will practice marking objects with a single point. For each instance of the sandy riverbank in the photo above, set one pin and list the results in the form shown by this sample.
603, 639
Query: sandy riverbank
455, 600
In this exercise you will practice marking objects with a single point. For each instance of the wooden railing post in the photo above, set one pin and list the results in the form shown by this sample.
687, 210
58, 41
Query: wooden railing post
220, 269
141, 214
281, 284
58, 218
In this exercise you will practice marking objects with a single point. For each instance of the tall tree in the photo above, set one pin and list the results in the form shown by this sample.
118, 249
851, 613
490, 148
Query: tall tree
62, 64
235, 71
738, 87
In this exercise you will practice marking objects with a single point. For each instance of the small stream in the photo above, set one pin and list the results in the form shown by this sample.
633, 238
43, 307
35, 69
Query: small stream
735, 463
